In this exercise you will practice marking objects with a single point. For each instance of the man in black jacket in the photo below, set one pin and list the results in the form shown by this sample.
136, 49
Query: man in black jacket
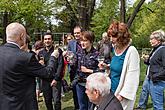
52, 91
18, 72
98, 92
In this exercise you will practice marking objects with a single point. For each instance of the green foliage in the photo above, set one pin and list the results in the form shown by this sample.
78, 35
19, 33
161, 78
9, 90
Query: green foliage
34, 14
107, 11
65, 14
150, 18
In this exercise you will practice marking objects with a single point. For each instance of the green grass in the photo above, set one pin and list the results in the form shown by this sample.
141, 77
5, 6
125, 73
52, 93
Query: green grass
142, 77
67, 101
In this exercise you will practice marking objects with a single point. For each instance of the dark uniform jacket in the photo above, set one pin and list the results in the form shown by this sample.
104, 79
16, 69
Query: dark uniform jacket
18, 70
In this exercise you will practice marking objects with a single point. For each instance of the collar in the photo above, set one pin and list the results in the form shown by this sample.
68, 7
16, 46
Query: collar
13, 43
154, 48
50, 49
91, 50
106, 100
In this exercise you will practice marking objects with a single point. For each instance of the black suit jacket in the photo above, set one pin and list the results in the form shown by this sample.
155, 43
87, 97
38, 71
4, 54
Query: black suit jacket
109, 102
18, 70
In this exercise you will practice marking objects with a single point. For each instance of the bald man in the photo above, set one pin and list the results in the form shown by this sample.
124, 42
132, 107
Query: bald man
18, 70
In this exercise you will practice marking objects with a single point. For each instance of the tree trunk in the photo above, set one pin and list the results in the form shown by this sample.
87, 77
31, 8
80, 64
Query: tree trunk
129, 23
83, 13
75, 18
122, 11
91, 6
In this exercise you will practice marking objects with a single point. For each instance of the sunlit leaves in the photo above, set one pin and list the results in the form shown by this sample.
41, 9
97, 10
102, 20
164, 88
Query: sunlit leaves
150, 18
108, 10
34, 14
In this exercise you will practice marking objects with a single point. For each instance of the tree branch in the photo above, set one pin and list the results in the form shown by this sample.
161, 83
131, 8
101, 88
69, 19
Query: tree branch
72, 12
122, 11
129, 23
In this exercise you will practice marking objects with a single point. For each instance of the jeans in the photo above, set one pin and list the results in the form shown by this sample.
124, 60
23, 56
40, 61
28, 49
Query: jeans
144, 94
72, 71
157, 94
83, 100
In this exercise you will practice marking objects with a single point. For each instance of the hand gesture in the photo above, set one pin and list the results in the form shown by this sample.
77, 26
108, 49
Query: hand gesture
55, 53
54, 82
41, 61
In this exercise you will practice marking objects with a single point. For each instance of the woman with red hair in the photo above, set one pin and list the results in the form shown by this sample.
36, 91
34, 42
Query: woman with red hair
125, 65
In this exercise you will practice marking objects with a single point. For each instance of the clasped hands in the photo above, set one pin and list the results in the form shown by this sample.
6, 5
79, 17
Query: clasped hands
86, 70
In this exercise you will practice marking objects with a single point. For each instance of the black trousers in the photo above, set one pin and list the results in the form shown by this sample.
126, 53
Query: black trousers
52, 93
75, 99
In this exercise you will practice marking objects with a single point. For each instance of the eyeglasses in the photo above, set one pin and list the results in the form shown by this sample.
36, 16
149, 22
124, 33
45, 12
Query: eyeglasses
68, 39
